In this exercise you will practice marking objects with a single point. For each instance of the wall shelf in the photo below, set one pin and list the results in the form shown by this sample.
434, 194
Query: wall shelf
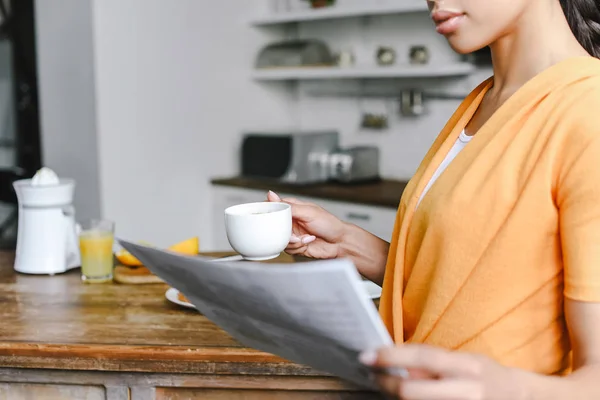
336, 12
391, 72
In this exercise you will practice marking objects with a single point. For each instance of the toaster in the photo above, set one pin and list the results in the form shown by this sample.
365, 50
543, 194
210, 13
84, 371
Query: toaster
289, 157
354, 164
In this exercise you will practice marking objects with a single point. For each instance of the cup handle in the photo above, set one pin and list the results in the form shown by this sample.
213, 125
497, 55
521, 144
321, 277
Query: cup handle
72, 230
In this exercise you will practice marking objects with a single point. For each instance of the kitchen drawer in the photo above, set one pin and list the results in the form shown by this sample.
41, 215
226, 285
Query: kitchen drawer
377, 220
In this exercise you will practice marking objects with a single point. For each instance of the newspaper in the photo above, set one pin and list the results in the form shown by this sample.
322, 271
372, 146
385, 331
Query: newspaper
315, 313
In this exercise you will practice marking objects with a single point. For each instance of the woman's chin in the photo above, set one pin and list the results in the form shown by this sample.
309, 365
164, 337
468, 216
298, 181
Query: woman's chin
461, 45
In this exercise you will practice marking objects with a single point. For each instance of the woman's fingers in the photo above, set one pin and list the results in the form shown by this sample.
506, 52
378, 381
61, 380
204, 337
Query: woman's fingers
446, 389
298, 241
307, 239
296, 250
298, 245
437, 361
301, 212
295, 239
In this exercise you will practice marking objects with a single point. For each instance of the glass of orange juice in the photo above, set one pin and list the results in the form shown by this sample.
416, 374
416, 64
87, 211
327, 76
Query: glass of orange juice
96, 246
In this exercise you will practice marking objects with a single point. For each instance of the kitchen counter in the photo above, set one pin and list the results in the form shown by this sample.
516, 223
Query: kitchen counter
385, 193
62, 339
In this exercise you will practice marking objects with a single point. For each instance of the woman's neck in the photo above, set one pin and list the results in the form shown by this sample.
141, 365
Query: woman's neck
540, 38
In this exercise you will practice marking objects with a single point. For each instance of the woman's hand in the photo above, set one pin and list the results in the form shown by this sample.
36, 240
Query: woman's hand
315, 232
318, 234
439, 374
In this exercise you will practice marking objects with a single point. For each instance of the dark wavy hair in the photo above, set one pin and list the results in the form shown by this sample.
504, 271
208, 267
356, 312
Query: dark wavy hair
584, 20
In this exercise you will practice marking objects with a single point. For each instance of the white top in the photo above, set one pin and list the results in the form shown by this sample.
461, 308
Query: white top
460, 144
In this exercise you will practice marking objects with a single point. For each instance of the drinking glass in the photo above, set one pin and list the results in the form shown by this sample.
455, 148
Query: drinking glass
96, 246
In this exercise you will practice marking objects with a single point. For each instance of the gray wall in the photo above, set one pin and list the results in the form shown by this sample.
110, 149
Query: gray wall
67, 97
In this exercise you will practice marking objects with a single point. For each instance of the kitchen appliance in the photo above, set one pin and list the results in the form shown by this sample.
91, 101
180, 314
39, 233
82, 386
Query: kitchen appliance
355, 164
294, 157
295, 53
46, 235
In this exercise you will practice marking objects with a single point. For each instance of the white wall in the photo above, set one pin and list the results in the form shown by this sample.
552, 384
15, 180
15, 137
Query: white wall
144, 102
173, 95
319, 105
67, 97
407, 140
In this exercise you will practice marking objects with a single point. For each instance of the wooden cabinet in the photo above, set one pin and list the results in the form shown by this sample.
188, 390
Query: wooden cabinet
375, 219
49, 384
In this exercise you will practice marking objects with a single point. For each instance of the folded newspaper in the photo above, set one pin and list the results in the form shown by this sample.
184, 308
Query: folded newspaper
315, 313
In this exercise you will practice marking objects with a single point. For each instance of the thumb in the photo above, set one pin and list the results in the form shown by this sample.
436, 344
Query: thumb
272, 196
303, 212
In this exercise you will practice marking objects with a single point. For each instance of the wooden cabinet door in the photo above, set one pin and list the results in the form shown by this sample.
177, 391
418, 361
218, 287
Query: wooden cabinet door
258, 394
35, 391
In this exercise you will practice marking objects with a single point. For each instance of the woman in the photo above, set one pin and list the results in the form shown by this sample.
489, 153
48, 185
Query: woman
492, 277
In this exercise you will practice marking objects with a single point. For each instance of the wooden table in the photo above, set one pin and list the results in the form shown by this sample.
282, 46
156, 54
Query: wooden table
62, 339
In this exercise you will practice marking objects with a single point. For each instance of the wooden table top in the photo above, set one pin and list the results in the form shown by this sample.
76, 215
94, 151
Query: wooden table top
384, 193
60, 322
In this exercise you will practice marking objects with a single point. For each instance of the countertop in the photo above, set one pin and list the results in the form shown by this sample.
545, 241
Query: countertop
58, 322
384, 193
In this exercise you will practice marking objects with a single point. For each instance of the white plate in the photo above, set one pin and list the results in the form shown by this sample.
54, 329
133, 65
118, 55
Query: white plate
171, 295
373, 292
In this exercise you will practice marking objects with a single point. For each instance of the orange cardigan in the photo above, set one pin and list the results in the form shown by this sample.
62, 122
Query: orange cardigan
510, 228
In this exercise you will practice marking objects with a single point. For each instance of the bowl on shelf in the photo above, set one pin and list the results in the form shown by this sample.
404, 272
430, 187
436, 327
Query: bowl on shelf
295, 53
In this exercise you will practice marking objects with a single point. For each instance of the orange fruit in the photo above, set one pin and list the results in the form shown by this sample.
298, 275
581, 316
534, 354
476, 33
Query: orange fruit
189, 246
126, 258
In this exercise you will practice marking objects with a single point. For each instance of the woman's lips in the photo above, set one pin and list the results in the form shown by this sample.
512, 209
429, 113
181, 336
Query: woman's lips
447, 22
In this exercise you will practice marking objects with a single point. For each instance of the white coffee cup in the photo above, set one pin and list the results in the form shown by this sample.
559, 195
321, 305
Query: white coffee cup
259, 231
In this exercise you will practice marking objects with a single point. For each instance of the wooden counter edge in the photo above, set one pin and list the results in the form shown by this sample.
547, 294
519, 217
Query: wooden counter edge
156, 359
181, 381
124, 352
350, 193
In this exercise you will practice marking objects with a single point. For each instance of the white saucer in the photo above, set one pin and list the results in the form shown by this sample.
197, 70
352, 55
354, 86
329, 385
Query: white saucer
372, 290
